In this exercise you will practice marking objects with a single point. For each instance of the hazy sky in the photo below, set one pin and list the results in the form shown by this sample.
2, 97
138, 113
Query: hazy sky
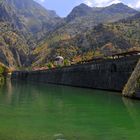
63, 7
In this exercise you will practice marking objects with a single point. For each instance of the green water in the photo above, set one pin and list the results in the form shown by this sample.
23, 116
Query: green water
32, 111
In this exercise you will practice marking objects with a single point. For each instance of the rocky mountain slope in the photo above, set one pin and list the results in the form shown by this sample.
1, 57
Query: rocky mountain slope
14, 49
29, 17
34, 17
83, 17
120, 11
22, 24
32, 35
103, 39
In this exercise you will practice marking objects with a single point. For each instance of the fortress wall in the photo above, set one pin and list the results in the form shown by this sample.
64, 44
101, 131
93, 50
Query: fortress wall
110, 74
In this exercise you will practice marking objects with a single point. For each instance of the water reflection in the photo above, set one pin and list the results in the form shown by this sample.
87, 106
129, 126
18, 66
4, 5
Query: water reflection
39, 111
2, 80
132, 107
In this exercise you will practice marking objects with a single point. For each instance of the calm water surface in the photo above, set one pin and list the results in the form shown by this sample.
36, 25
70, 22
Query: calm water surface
32, 111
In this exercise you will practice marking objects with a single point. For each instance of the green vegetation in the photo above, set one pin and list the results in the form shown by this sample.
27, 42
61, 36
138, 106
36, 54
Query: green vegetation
67, 62
103, 40
50, 65
3, 72
13, 46
34, 40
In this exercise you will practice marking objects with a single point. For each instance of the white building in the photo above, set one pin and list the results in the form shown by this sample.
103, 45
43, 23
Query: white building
59, 61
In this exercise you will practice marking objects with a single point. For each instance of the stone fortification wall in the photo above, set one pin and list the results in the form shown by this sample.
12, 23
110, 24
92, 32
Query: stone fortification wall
106, 74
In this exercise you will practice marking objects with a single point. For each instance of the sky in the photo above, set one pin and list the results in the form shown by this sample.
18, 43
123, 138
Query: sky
64, 7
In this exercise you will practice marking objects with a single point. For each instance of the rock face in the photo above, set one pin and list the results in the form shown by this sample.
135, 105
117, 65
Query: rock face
22, 24
113, 12
9, 15
106, 74
84, 17
14, 49
80, 11
33, 16
29, 17
132, 88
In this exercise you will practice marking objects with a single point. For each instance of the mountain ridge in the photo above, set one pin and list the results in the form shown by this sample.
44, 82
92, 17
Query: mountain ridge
34, 35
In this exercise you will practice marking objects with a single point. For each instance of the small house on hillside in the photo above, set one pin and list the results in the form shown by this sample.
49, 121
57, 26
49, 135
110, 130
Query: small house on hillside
59, 61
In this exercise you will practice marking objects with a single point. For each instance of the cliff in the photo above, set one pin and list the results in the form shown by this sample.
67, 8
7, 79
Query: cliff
132, 88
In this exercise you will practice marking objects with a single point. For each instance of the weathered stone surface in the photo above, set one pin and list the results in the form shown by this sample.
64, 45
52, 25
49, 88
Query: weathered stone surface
132, 88
105, 74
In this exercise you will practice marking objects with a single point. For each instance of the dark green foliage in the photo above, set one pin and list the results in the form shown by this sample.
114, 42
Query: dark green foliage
2, 70
66, 62
50, 65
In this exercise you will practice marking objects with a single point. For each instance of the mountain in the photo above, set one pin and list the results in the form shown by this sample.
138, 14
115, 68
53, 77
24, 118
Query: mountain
29, 17
79, 11
106, 12
119, 8
84, 17
8, 14
32, 35
103, 39
22, 24
14, 49
33, 15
